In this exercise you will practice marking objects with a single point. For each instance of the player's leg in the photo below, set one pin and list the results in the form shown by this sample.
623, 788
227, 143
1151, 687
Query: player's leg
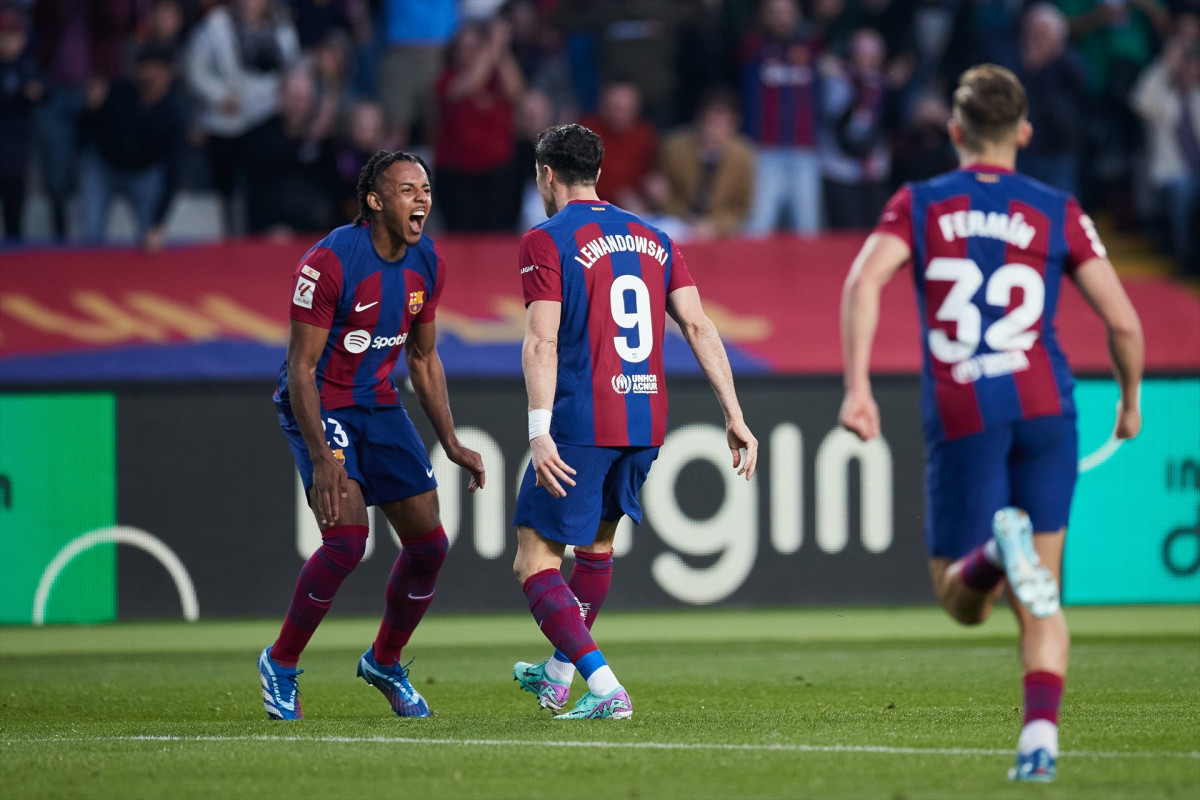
589, 580
1043, 471
400, 475
966, 480
545, 525
343, 543
1045, 647
592, 573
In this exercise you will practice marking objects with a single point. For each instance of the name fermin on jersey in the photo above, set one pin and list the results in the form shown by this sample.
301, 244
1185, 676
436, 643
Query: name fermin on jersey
988, 261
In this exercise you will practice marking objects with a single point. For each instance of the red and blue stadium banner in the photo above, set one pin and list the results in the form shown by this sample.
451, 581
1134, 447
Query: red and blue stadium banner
220, 312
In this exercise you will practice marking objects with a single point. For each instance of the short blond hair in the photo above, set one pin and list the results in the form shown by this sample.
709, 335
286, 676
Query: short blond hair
989, 103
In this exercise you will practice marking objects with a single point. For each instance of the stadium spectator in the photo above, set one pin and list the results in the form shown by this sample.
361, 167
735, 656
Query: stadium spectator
415, 35
779, 101
133, 136
474, 148
349, 433
997, 405
332, 66
80, 46
633, 40
1054, 82
290, 163
630, 143
923, 147
1116, 40
538, 48
164, 25
535, 113
589, 455
855, 149
364, 134
1167, 96
236, 59
709, 170
20, 91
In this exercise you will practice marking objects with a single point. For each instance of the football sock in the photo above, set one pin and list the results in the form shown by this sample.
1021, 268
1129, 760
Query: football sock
979, 571
410, 590
589, 581
560, 668
341, 549
1039, 735
1043, 695
561, 620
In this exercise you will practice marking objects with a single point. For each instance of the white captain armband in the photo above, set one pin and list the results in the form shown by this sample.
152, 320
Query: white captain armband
539, 422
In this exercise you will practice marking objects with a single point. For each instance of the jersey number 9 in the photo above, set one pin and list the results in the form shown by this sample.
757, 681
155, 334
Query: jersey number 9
638, 319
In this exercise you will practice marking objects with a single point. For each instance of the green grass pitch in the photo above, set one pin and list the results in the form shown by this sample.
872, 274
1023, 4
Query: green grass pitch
829, 703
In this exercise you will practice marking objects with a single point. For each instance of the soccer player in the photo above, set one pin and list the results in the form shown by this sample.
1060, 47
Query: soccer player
598, 283
989, 249
360, 295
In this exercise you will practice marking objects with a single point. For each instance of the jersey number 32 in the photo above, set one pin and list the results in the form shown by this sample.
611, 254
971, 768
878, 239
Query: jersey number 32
1013, 331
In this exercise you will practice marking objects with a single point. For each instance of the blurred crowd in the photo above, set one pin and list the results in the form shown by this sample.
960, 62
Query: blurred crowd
719, 117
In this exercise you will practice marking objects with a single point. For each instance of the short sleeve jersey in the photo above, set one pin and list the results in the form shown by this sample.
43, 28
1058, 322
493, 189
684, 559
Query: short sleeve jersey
989, 251
612, 272
368, 305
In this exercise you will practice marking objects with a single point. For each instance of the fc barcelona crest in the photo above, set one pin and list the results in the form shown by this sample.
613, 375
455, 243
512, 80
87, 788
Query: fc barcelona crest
416, 301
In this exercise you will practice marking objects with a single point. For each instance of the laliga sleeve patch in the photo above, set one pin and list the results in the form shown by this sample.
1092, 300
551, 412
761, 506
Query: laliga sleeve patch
304, 293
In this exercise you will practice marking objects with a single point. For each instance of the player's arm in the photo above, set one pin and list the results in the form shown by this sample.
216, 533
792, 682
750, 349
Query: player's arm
539, 361
685, 308
1099, 285
305, 344
878, 260
429, 382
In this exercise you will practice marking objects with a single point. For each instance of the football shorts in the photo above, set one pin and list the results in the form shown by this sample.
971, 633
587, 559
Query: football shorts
607, 482
379, 447
1031, 464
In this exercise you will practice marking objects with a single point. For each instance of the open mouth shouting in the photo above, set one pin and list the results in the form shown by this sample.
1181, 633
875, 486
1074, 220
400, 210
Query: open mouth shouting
416, 221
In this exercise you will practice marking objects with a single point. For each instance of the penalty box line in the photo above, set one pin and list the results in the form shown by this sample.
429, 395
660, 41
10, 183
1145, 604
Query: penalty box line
784, 748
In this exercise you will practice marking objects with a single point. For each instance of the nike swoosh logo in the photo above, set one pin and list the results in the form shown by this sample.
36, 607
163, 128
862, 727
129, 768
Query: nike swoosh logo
429, 472
412, 596
361, 307
318, 600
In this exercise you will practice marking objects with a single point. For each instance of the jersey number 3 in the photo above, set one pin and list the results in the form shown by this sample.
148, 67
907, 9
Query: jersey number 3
638, 319
1010, 332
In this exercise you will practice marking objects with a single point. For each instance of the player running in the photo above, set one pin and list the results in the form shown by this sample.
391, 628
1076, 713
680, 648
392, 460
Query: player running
360, 295
989, 249
597, 282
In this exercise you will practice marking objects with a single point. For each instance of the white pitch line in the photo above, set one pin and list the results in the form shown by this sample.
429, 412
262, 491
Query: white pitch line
786, 748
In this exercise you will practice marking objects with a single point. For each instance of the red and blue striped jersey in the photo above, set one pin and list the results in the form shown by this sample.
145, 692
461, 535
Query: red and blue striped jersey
779, 91
368, 305
612, 272
989, 250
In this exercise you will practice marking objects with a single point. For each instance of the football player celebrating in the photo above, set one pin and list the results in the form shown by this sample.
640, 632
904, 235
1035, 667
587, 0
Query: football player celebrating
361, 295
598, 284
989, 249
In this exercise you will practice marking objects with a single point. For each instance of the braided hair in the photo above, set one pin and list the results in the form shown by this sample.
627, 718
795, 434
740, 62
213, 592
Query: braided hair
368, 179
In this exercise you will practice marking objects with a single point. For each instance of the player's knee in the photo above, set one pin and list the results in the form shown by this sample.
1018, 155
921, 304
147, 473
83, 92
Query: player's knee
345, 547
427, 553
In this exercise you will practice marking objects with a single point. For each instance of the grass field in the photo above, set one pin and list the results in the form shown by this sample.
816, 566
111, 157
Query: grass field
812, 703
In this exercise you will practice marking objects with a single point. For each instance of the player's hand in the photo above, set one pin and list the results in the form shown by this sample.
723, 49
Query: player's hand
329, 488
1129, 422
740, 438
549, 468
860, 415
472, 462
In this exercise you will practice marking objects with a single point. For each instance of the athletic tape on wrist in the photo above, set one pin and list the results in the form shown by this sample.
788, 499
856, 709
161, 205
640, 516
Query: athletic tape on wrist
539, 422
